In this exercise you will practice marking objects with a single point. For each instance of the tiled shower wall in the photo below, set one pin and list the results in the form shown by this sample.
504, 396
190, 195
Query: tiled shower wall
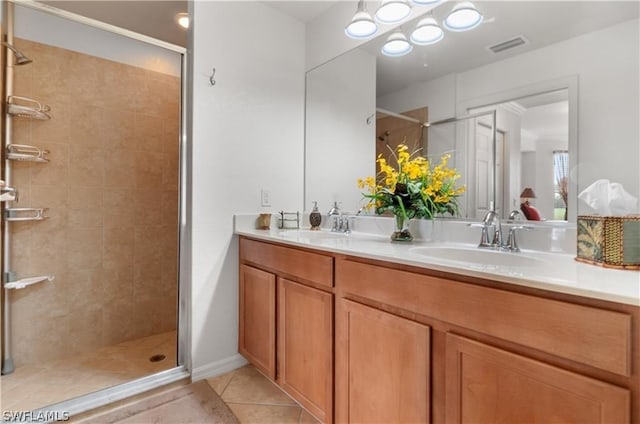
111, 187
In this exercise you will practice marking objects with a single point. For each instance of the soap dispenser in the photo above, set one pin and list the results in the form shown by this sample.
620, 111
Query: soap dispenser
315, 217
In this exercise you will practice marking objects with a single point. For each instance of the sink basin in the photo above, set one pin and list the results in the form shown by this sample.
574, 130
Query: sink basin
478, 256
311, 235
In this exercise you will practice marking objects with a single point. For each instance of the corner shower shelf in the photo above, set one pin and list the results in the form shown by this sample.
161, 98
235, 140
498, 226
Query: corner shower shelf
24, 214
24, 152
24, 282
27, 108
8, 194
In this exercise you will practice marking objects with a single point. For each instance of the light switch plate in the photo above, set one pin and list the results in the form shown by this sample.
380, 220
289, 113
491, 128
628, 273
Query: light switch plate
265, 198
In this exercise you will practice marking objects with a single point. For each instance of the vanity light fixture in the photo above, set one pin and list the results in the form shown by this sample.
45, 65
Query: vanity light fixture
425, 2
183, 20
427, 32
396, 45
463, 17
393, 11
362, 25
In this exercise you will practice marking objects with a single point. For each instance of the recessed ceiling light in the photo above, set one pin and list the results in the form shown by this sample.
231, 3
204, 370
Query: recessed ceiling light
183, 19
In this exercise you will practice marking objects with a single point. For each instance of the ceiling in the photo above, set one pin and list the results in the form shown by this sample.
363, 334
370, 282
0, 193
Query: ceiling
303, 11
155, 18
541, 22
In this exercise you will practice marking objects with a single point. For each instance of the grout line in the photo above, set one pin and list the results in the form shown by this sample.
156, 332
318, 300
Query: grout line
264, 404
224, 389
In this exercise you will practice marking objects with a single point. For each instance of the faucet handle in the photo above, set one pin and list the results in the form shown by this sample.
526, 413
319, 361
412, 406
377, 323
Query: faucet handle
484, 238
512, 243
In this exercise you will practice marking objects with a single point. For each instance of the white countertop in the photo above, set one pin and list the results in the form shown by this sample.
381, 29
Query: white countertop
556, 272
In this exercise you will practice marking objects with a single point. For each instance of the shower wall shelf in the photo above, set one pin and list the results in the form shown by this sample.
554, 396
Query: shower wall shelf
8, 194
24, 282
24, 214
24, 152
27, 108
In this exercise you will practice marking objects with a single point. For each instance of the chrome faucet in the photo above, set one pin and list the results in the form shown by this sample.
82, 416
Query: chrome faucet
492, 220
344, 223
512, 243
515, 215
334, 215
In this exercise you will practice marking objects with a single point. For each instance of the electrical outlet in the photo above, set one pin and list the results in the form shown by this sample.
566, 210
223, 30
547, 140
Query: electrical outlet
265, 198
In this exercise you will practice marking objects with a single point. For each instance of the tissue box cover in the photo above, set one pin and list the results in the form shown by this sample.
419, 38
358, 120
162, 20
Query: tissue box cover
609, 241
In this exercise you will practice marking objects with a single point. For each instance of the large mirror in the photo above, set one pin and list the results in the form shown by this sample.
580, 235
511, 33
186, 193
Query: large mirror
518, 62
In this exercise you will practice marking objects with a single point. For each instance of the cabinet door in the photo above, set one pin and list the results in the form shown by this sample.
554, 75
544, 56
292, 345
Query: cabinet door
257, 338
305, 353
382, 367
489, 385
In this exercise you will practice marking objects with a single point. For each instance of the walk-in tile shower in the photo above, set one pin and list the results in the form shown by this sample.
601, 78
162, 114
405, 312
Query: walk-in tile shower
91, 241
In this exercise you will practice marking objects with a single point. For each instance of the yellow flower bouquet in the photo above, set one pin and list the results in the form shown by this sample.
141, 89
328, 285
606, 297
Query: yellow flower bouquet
412, 190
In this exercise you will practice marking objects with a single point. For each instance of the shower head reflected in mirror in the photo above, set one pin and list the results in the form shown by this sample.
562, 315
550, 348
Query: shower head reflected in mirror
21, 59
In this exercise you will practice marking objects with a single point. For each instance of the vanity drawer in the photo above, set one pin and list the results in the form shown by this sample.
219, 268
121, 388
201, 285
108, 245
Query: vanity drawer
588, 335
303, 265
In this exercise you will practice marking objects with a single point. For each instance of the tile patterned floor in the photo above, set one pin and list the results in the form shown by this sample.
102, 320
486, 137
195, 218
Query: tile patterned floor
38, 385
255, 399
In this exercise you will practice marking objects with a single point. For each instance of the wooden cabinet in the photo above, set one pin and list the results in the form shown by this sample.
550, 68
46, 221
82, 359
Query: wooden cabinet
416, 346
257, 332
286, 329
497, 356
489, 385
383, 367
305, 351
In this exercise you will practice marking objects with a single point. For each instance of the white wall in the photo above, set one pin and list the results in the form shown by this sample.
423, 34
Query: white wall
438, 95
248, 133
339, 141
607, 64
529, 171
55, 31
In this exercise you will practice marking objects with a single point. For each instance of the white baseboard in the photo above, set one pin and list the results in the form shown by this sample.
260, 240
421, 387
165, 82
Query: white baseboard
217, 368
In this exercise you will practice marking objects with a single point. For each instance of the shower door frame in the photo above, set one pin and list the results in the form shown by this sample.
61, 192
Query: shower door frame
183, 369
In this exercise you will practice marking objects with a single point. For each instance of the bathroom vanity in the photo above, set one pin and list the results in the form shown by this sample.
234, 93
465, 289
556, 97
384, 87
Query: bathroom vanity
356, 332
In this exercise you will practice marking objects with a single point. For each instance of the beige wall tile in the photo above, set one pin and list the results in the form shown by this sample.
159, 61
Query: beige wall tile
149, 169
120, 131
57, 128
85, 289
111, 189
149, 207
117, 280
119, 206
57, 170
148, 132
86, 166
22, 131
116, 321
84, 247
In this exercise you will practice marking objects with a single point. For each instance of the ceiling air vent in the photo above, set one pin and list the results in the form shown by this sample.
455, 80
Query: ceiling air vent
509, 44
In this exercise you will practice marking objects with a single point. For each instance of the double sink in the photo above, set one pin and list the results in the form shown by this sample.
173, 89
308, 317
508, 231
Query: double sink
468, 255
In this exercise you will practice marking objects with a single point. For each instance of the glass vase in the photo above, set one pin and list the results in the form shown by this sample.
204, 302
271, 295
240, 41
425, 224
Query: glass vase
402, 233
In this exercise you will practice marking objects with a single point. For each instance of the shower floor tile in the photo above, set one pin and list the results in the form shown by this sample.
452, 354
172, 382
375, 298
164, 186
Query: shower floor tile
37, 385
